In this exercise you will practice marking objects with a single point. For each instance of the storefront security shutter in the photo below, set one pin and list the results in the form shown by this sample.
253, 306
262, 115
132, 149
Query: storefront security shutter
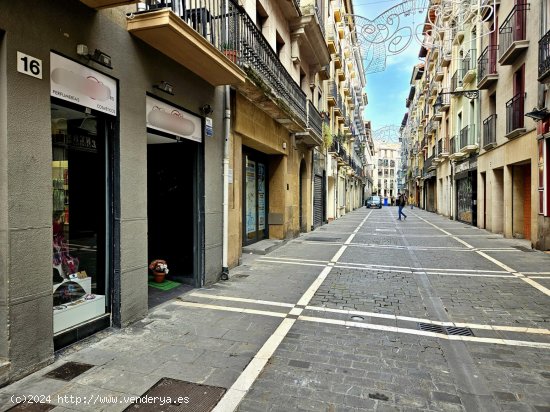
317, 201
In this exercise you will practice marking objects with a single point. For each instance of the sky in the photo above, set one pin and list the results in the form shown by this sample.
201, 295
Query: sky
387, 90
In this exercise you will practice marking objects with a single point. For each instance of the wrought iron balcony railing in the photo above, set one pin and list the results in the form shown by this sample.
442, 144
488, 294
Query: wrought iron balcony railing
453, 143
513, 28
468, 61
314, 119
467, 136
515, 113
490, 131
544, 56
230, 29
456, 80
487, 62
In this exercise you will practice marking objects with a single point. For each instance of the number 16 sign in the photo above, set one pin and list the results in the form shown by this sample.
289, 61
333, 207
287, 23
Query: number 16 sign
29, 65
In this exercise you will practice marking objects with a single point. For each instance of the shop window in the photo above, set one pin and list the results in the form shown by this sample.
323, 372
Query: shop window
79, 194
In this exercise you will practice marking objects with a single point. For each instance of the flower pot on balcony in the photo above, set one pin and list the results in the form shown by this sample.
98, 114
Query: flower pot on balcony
231, 55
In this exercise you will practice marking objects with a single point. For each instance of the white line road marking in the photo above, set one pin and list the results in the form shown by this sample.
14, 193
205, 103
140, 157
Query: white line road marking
230, 309
497, 262
379, 269
518, 329
234, 299
235, 394
424, 333
296, 259
251, 372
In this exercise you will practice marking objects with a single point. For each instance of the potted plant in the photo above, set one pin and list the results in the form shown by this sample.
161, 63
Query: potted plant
230, 52
159, 269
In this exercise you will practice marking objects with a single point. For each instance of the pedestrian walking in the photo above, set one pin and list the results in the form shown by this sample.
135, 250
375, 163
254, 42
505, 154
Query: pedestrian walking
401, 203
411, 200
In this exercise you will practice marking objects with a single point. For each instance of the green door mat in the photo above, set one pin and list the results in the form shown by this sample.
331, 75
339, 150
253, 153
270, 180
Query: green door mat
166, 285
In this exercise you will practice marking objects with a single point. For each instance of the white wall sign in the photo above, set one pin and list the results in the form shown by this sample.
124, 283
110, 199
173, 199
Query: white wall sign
208, 129
29, 65
79, 84
230, 175
169, 119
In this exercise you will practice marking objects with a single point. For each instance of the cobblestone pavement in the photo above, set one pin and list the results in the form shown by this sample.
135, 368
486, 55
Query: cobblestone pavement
365, 313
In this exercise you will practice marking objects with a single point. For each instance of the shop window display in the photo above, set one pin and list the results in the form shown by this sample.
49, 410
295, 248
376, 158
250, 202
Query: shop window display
78, 220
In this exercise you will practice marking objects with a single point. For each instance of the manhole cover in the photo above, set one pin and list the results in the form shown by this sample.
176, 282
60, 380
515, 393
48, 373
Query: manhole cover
68, 371
357, 317
177, 395
32, 407
324, 239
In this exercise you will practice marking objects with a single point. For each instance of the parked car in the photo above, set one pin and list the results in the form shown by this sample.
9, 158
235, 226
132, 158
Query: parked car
373, 201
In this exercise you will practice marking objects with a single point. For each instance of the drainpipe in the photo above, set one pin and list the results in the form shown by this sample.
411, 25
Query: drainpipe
225, 204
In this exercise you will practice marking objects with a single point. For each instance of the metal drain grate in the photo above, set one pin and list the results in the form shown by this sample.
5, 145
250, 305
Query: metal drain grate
324, 239
68, 371
428, 327
445, 330
451, 330
184, 396
241, 276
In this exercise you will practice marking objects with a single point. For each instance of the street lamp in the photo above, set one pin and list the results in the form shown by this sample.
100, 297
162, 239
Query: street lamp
470, 94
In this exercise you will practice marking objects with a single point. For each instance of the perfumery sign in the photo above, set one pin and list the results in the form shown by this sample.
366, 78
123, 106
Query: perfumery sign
169, 119
79, 84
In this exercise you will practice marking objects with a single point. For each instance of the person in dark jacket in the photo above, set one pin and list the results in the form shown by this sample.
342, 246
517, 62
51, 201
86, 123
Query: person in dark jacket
401, 203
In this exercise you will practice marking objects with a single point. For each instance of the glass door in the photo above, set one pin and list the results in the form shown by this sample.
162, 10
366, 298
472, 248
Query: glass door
254, 199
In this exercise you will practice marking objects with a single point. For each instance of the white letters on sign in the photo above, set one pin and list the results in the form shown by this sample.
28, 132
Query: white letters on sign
29, 65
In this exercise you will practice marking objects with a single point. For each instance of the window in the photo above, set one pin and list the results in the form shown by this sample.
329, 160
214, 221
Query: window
79, 218
261, 16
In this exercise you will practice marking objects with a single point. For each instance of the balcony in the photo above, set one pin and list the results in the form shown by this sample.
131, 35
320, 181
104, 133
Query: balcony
445, 100
332, 39
456, 81
314, 125
429, 164
443, 148
447, 53
490, 132
512, 35
469, 66
103, 4
332, 93
454, 150
195, 38
515, 110
468, 141
544, 58
337, 8
487, 68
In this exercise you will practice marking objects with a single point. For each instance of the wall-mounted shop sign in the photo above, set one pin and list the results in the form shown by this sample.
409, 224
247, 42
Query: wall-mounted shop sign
79, 84
169, 119
461, 167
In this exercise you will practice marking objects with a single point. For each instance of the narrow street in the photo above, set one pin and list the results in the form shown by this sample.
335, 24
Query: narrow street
365, 313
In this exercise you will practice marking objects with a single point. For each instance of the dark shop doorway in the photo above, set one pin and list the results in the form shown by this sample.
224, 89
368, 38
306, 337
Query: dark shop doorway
172, 211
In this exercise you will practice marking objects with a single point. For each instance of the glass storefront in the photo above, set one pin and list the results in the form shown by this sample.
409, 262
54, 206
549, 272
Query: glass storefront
79, 220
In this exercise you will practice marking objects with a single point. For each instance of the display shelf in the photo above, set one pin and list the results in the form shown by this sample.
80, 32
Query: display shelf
77, 312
